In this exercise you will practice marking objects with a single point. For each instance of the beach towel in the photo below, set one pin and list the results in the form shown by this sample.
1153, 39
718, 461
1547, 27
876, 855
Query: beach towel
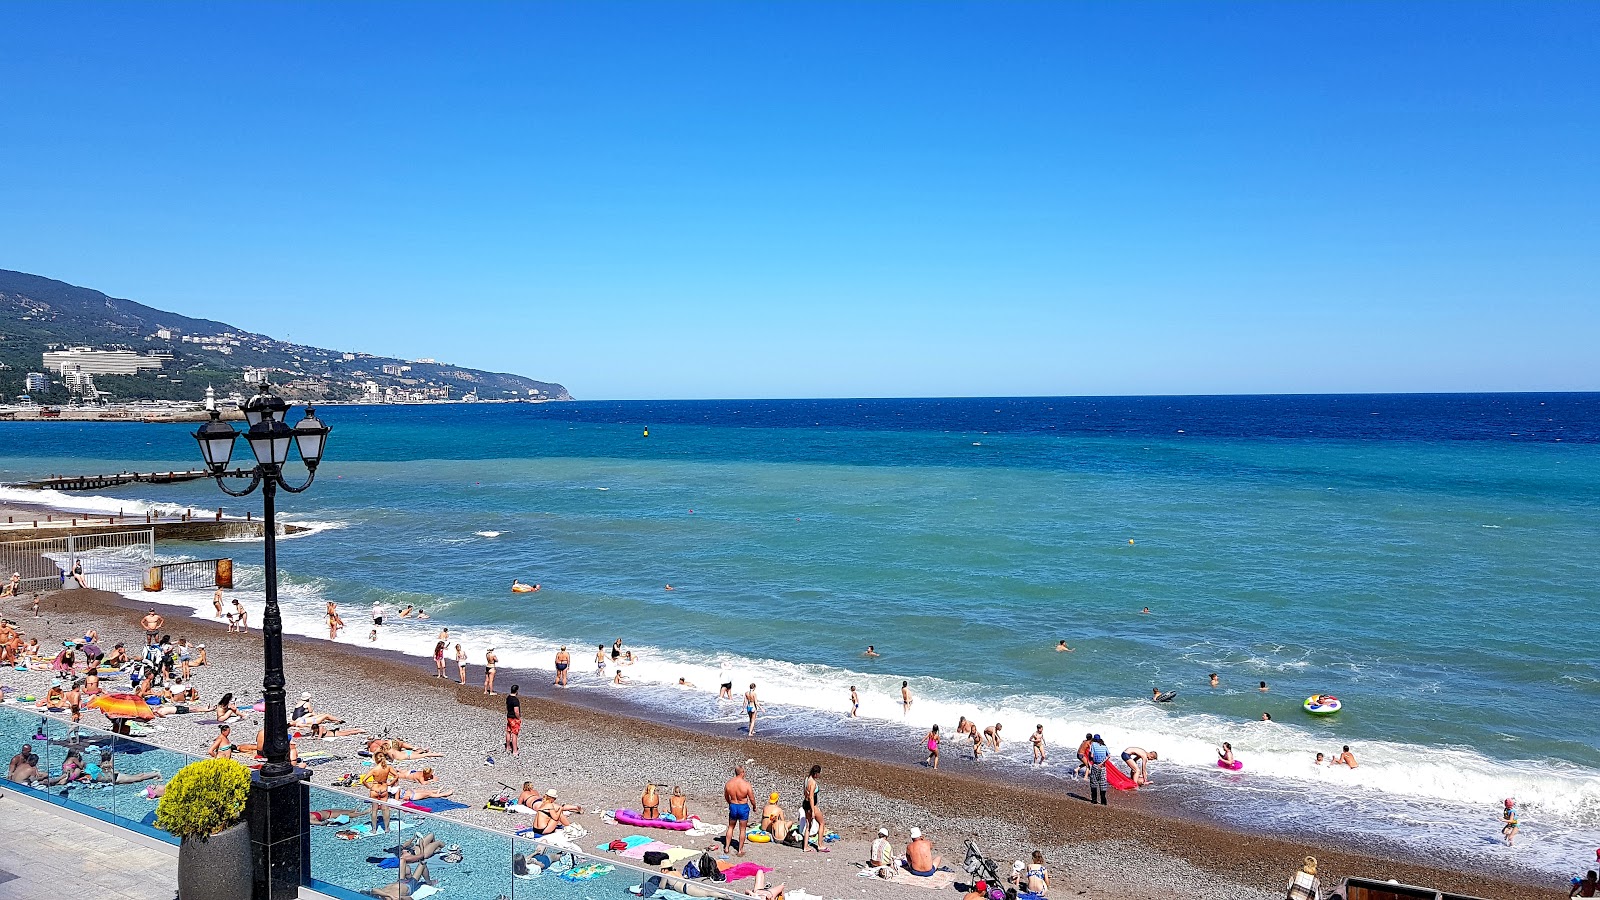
584, 873
743, 870
434, 804
637, 851
677, 855
423, 892
940, 880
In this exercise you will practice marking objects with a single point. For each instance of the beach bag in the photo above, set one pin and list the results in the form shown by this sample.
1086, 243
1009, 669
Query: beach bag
708, 868
654, 857
617, 846
689, 870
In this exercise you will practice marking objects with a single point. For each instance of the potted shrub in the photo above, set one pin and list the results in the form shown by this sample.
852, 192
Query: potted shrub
204, 808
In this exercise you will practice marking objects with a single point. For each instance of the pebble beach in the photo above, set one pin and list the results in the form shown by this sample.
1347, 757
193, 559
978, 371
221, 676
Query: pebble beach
1130, 851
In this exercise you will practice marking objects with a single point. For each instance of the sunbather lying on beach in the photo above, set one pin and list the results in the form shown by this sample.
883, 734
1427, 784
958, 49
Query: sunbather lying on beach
109, 775
762, 892
334, 816
397, 749
406, 794
409, 882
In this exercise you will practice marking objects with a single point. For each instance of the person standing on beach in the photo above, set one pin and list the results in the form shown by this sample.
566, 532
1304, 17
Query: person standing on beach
751, 706
739, 795
811, 805
513, 720
1138, 761
489, 660
855, 702
563, 660
1512, 822
378, 611
438, 659
933, 747
905, 697
1083, 756
600, 660
1038, 743
152, 624
335, 622
1098, 755
216, 604
461, 664
724, 683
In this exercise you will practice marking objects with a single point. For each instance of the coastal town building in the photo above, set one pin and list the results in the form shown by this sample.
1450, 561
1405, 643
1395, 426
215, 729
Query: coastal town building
36, 383
102, 362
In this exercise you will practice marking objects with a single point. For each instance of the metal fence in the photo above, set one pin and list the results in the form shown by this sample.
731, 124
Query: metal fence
193, 573
111, 561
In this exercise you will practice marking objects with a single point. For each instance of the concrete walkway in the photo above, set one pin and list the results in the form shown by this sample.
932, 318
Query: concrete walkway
46, 854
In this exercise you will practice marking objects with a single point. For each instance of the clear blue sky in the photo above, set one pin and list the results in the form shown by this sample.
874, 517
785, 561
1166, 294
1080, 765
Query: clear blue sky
860, 199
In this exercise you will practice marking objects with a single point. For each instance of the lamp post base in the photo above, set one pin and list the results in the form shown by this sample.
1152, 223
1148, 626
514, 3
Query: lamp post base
280, 835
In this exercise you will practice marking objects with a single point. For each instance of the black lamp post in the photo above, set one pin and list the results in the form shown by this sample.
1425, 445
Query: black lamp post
277, 807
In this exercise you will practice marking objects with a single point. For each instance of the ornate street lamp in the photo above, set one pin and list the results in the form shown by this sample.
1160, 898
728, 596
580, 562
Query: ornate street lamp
277, 807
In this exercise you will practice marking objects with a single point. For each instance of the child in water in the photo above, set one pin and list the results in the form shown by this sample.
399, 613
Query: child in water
1510, 819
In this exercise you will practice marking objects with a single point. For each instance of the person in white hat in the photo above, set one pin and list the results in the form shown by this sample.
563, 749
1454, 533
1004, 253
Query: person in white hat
919, 855
307, 718
882, 856
550, 814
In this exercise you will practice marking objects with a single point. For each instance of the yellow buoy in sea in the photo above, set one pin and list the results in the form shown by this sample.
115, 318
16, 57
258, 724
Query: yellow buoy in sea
647, 432
1130, 542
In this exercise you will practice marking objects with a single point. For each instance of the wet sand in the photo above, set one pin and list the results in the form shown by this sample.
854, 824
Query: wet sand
1135, 848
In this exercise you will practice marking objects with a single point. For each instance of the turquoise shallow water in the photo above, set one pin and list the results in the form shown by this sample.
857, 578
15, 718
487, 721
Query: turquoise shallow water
1429, 560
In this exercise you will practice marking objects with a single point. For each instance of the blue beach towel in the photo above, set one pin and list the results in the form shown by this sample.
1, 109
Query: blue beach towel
439, 804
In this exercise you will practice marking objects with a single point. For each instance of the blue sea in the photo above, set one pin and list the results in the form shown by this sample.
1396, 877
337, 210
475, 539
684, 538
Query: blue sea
1430, 559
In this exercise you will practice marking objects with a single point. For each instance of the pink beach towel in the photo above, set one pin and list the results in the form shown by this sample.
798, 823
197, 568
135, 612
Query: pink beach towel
744, 870
639, 851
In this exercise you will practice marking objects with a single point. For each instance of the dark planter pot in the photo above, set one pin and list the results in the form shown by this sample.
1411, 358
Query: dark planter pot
217, 868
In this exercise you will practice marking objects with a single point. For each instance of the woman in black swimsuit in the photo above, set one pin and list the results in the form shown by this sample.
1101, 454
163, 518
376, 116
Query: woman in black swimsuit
811, 804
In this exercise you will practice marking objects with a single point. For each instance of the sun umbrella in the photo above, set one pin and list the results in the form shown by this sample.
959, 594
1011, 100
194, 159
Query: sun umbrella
123, 706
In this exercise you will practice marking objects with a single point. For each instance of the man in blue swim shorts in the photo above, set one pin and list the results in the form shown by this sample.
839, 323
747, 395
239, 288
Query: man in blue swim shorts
739, 795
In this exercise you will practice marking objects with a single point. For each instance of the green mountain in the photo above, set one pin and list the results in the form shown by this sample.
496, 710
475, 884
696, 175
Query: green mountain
38, 315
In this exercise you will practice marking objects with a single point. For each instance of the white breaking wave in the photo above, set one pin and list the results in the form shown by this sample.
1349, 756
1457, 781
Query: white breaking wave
488, 534
88, 503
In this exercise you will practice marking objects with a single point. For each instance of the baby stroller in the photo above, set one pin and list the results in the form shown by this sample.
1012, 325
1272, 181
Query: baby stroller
980, 867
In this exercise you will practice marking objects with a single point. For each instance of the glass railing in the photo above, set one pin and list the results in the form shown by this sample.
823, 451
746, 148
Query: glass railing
109, 776
112, 778
349, 858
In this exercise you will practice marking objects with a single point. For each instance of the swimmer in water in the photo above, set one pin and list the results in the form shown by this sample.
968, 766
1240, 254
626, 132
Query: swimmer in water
1145, 611
1266, 717
519, 587
1263, 688
1061, 647
871, 651
1345, 758
1213, 679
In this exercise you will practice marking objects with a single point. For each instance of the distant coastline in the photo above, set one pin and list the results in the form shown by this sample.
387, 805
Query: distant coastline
162, 415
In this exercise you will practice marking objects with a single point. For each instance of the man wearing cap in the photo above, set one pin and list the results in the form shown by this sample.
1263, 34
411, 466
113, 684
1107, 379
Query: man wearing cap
882, 856
919, 855
1098, 754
